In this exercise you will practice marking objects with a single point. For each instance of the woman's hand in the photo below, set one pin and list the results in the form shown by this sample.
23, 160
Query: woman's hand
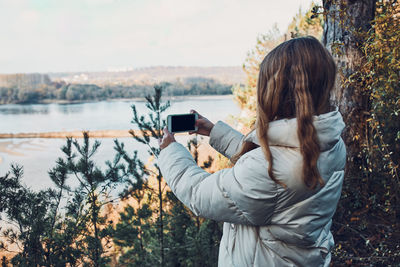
204, 126
167, 139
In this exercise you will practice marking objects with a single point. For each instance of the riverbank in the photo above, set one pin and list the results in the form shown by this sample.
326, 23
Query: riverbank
65, 134
134, 99
75, 134
9, 148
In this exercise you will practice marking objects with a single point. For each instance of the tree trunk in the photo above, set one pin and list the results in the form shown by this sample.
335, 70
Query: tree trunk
161, 220
345, 23
97, 239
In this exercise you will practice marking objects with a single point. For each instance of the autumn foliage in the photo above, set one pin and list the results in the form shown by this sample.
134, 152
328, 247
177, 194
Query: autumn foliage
366, 226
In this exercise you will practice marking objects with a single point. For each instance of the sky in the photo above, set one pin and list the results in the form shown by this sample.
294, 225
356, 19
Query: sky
98, 35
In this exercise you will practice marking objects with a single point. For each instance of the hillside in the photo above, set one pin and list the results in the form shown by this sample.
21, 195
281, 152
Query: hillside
21, 80
151, 75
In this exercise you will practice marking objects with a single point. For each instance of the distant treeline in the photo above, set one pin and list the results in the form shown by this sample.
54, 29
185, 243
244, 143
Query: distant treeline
92, 92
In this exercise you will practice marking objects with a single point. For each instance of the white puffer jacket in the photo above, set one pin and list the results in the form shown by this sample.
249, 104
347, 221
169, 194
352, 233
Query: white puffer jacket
265, 223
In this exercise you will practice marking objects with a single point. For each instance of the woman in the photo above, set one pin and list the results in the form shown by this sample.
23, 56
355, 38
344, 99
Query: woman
278, 200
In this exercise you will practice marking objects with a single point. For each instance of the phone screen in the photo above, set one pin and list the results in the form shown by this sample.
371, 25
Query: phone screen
181, 123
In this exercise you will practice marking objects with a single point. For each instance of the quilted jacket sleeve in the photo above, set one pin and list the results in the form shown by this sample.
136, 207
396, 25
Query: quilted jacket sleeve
241, 195
225, 139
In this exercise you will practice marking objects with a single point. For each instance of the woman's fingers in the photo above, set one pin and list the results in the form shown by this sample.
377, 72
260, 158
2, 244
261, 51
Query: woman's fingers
167, 139
198, 115
165, 130
204, 126
167, 133
196, 123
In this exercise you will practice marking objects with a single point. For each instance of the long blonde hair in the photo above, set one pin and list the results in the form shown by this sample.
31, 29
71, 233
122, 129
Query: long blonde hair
295, 81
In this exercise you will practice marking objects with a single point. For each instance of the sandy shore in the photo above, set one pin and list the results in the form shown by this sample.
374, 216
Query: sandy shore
8, 147
5, 148
74, 134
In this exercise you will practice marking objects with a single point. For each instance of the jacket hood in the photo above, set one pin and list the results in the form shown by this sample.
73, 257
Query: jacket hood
283, 132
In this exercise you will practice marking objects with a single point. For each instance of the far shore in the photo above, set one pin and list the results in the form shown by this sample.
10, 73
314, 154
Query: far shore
75, 134
135, 99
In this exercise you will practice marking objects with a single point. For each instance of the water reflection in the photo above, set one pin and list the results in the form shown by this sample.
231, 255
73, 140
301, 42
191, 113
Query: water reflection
23, 109
69, 108
105, 115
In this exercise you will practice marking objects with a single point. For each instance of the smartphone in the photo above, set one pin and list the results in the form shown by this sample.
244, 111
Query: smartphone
178, 123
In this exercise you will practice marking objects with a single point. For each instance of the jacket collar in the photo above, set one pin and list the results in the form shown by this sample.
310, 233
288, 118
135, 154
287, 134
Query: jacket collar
283, 132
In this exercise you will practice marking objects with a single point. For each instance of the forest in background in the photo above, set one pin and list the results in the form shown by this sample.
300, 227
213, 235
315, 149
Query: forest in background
154, 229
48, 91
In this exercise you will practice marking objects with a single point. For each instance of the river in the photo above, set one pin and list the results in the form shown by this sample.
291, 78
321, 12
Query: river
38, 155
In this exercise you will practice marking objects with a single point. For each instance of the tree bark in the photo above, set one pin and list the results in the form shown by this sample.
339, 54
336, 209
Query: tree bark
345, 23
161, 221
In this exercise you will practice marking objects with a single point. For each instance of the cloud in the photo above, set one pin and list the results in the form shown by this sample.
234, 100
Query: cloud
29, 17
99, 2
